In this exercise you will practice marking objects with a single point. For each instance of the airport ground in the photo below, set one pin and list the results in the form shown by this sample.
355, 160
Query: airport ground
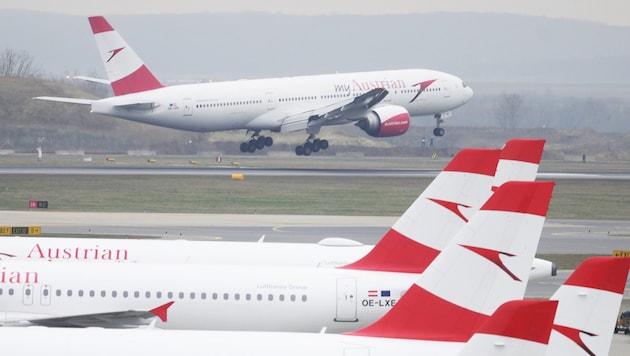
181, 198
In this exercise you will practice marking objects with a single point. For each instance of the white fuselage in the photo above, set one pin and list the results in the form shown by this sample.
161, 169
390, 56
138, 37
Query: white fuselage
205, 296
234, 105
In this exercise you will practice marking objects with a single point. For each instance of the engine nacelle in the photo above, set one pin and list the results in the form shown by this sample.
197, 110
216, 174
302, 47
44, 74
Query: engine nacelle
386, 121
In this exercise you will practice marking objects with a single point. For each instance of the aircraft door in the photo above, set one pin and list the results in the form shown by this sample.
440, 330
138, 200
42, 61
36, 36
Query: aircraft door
346, 300
188, 106
27, 294
271, 101
446, 89
44, 298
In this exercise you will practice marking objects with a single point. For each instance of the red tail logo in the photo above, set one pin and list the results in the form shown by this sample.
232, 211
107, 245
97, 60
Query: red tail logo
574, 335
494, 257
452, 206
114, 52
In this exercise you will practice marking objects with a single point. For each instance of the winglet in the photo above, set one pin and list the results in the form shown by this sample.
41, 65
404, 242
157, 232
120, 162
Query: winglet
161, 311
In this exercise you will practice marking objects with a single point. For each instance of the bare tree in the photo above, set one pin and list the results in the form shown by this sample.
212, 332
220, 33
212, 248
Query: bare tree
17, 64
508, 109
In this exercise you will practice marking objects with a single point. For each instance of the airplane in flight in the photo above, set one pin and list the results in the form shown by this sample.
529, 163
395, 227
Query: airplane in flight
380, 103
267, 298
466, 181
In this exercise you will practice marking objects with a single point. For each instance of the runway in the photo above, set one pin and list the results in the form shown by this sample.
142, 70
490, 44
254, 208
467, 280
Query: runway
273, 172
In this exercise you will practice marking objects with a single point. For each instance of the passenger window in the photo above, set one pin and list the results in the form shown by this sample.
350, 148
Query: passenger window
58, 292
114, 294
69, 292
11, 291
181, 295
303, 297
226, 296
293, 297
237, 296
80, 292
192, 295
203, 295
259, 296
103, 294
147, 294
281, 297
214, 296
158, 295
136, 294
170, 295
248, 296
92, 293
270, 297
125, 294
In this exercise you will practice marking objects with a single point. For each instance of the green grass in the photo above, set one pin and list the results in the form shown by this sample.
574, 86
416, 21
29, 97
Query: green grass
372, 196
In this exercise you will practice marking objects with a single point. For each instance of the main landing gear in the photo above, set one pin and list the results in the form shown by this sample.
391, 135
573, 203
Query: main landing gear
256, 143
438, 131
312, 145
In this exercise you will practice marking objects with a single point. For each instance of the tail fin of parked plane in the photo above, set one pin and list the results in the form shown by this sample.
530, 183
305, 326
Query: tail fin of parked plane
520, 327
485, 265
589, 302
126, 71
447, 204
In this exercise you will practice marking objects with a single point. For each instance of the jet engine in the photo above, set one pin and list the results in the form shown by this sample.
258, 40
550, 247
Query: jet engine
386, 121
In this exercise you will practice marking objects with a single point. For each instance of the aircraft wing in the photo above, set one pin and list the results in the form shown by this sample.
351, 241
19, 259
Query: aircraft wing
119, 320
299, 119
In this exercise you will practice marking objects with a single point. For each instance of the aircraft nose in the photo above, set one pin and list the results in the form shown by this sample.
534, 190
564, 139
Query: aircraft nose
468, 93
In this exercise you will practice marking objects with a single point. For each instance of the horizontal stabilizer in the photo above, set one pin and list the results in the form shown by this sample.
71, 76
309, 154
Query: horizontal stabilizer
93, 80
66, 100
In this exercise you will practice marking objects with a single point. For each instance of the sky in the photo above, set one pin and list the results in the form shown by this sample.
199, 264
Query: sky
610, 12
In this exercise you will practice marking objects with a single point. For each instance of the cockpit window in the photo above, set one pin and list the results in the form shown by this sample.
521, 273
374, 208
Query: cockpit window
464, 85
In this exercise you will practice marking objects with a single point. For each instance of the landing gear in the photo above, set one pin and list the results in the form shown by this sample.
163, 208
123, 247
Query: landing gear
312, 145
256, 143
439, 118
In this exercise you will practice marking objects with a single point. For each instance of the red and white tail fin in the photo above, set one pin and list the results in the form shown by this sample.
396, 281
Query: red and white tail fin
485, 265
447, 204
417, 237
520, 327
589, 302
125, 70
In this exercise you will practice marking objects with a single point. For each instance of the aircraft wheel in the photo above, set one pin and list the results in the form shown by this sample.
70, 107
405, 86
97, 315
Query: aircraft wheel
315, 146
299, 150
244, 147
323, 144
268, 141
438, 131
308, 149
260, 142
251, 146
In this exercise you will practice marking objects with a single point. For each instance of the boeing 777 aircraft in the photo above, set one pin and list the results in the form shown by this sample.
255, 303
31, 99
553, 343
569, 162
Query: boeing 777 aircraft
380, 103
60, 293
